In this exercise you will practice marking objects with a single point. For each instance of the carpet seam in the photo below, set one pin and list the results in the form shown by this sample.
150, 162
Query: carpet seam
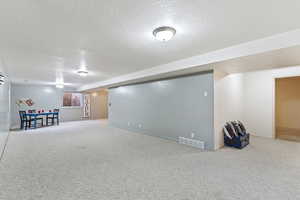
4, 148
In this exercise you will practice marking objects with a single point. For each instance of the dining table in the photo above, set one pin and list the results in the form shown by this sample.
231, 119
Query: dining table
34, 116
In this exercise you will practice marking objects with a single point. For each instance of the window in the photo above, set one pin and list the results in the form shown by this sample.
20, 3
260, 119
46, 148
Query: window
72, 100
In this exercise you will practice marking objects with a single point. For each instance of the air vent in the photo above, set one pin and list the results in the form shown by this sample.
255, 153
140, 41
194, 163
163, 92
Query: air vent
191, 142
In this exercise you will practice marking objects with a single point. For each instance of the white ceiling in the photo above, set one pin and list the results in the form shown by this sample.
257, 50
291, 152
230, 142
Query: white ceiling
45, 40
281, 58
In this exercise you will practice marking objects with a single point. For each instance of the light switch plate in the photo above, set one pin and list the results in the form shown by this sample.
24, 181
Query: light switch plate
192, 135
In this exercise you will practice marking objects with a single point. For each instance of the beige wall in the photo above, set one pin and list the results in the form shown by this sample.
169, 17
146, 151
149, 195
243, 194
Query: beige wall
228, 91
99, 105
288, 103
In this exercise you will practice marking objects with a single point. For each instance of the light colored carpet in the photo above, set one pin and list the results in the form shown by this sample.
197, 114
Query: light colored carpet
92, 161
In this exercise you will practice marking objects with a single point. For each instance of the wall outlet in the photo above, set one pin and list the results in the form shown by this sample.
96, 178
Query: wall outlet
140, 125
205, 93
192, 135
128, 123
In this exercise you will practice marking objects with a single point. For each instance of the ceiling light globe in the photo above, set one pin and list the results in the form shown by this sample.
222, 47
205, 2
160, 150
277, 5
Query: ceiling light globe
82, 73
164, 33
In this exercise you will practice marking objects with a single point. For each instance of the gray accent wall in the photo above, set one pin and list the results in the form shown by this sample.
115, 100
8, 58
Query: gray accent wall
45, 97
167, 108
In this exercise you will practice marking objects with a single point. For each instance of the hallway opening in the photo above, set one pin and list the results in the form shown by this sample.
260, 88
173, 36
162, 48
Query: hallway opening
287, 111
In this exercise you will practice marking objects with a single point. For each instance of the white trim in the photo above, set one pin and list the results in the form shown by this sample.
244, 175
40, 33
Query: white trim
274, 42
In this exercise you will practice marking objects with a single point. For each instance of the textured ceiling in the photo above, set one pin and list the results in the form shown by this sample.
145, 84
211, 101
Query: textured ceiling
49, 39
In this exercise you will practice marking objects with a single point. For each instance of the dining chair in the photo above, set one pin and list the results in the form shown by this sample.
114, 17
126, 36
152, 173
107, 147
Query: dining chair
37, 118
56, 116
52, 117
25, 122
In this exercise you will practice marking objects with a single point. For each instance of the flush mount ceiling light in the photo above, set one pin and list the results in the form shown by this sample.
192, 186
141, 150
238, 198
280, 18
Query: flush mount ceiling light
82, 72
164, 33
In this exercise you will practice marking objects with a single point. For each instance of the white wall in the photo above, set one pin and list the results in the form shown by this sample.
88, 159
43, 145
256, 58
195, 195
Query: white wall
249, 97
259, 99
45, 97
228, 104
258, 103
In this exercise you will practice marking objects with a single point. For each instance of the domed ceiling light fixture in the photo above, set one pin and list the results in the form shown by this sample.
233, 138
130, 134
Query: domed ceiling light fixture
164, 33
82, 72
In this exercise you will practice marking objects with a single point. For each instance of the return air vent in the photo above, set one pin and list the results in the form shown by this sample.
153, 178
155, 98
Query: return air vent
191, 142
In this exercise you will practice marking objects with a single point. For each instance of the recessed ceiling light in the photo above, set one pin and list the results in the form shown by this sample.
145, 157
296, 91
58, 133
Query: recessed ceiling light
82, 72
164, 33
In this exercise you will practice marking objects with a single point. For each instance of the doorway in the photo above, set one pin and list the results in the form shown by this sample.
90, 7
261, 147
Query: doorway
287, 108
99, 107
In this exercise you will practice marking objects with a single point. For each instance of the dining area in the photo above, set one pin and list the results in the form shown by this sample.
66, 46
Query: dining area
32, 119
36, 106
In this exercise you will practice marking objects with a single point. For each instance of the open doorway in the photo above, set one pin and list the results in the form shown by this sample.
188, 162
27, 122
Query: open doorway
98, 103
287, 108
